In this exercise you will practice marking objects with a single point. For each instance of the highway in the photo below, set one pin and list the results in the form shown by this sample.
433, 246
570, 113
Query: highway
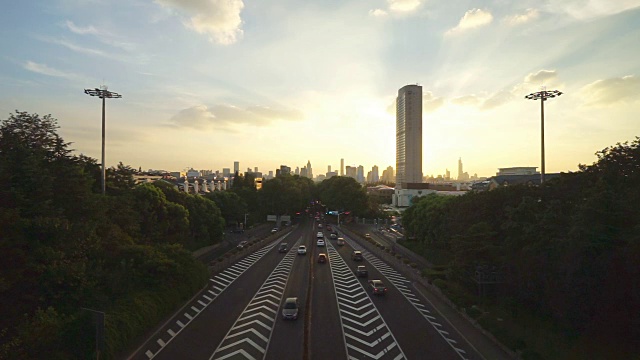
238, 316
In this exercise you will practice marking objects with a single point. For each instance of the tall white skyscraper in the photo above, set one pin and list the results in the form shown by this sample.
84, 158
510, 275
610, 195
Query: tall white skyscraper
409, 135
341, 167
460, 176
309, 171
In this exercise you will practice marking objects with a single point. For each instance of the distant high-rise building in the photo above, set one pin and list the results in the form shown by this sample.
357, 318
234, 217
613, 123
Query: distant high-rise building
309, 171
387, 175
270, 174
255, 169
284, 170
351, 171
304, 172
360, 174
375, 177
329, 168
297, 170
236, 166
447, 175
460, 173
341, 167
226, 172
409, 135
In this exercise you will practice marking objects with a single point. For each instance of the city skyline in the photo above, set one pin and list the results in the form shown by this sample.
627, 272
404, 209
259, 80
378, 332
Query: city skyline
206, 83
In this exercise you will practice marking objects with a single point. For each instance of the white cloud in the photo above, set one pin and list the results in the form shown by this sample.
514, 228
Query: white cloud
49, 71
104, 36
224, 117
398, 7
377, 13
472, 19
613, 90
220, 19
81, 30
466, 100
541, 77
431, 103
403, 5
518, 19
497, 99
590, 9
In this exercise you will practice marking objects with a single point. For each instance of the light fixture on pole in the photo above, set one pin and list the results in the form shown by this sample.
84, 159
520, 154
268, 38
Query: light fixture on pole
542, 96
103, 93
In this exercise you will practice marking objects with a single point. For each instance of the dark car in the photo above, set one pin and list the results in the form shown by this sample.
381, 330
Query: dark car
322, 258
283, 248
356, 255
361, 271
377, 287
242, 245
290, 309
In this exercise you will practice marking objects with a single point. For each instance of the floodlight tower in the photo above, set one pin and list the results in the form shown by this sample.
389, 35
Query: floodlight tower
542, 96
103, 93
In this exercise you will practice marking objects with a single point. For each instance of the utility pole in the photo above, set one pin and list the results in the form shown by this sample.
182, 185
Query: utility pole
542, 96
103, 93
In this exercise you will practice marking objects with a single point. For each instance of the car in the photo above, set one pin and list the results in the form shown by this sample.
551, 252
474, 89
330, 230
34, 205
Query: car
283, 248
242, 245
361, 271
333, 235
322, 258
377, 287
290, 308
321, 242
367, 236
356, 255
302, 250
274, 230
320, 235
319, 226
340, 241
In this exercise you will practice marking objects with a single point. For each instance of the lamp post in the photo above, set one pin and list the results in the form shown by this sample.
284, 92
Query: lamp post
103, 94
542, 96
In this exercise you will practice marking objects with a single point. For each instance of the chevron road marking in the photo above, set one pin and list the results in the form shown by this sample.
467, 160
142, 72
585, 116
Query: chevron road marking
263, 306
219, 283
357, 336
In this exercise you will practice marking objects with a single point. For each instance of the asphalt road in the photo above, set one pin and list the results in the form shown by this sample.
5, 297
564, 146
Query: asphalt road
238, 316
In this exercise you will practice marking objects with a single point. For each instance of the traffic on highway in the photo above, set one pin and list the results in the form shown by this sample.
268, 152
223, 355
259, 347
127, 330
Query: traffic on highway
304, 296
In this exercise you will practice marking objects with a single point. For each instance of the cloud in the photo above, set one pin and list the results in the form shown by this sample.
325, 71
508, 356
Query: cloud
497, 99
431, 103
587, 10
541, 77
397, 6
224, 117
403, 5
519, 19
611, 91
220, 19
472, 19
46, 70
80, 30
377, 13
466, 100
103, 36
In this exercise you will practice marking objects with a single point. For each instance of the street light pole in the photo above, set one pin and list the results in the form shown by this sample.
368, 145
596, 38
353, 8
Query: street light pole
542, 96
103, 94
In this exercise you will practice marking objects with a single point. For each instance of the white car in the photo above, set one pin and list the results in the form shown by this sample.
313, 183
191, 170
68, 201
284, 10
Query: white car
302, 250
320, 235
320, 242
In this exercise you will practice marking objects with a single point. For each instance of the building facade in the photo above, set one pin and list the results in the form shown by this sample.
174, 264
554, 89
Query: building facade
409, 135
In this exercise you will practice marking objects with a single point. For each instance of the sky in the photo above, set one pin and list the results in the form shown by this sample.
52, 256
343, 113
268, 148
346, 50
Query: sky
205, 83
